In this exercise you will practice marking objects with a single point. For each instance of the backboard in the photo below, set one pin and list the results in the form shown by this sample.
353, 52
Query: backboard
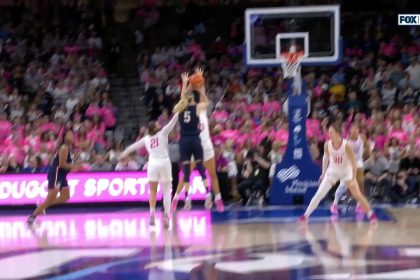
314, 30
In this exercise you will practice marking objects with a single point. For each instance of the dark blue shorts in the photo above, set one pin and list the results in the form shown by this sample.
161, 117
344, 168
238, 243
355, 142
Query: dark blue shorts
57, 179
190, 146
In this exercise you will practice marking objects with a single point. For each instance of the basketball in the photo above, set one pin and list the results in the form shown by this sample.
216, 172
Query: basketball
197, 80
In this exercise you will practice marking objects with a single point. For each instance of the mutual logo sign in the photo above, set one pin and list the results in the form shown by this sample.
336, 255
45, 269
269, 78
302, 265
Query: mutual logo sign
413, 19
288, 173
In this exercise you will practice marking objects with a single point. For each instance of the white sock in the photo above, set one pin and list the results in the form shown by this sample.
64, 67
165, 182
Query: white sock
187, 195
218, 196
176, 196
152, 211
209, 195
167, 191
319, 195
370, 213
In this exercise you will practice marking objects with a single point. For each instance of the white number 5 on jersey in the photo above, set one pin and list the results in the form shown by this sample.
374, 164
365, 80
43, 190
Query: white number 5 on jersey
187, 116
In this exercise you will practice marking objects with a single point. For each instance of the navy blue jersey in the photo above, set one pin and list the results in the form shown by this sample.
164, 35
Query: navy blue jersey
54, 165
189, 122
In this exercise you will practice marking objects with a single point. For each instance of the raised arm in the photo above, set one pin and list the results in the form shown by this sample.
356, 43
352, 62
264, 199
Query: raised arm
168, 128
204, 101
185, 87
180, 106
133, 147
202, 90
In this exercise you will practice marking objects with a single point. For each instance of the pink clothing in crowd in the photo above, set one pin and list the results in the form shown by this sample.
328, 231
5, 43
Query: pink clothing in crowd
380, 142
220, 116
5, 129
400, 135
33, 143
48, 127
93, 110
230, 134
255, 107
15, 151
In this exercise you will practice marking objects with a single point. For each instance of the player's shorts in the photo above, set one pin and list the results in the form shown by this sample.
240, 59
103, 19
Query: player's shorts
208, 153
57, 179
159, 170
333, 176
190, 146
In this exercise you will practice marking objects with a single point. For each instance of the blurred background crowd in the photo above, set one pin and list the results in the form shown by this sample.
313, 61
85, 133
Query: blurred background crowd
56, 62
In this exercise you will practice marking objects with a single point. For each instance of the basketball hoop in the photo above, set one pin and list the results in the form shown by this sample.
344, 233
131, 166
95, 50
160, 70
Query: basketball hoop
290, 63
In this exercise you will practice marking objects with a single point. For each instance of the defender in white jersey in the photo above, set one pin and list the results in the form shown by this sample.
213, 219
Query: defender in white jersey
159, 167
338, 164
361, 150
210, 164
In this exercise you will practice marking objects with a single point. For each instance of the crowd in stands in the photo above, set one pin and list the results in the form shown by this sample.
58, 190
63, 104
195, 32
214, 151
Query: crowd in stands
377, 86
52, 79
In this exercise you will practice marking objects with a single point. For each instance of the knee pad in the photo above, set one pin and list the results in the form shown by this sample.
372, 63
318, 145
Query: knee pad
201, 170
187, 172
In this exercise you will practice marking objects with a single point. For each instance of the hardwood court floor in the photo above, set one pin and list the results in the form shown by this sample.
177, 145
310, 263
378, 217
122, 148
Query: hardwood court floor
246, 243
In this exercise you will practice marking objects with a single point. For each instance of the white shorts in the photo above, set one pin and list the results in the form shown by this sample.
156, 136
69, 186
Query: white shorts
333, 176
208, 153
159, 170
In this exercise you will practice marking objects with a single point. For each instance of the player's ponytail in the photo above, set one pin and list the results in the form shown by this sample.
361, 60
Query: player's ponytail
151, 128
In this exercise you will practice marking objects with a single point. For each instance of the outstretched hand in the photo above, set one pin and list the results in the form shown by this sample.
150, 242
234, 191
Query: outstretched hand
185, 77
199, 71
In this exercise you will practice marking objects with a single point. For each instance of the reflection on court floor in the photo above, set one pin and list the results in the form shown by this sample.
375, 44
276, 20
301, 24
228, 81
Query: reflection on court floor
240, 244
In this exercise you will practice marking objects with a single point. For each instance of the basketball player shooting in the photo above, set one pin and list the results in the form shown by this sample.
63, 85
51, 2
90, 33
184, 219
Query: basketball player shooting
190, 142
208, 157
338, 164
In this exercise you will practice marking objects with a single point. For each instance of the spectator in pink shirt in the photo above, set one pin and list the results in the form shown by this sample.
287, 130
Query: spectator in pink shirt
398, 133
220, 115
93, 110
379, 138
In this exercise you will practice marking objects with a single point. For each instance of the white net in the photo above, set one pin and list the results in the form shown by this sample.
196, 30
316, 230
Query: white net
291, 65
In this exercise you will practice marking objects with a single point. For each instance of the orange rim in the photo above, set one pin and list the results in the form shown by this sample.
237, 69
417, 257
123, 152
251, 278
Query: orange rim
292, 58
